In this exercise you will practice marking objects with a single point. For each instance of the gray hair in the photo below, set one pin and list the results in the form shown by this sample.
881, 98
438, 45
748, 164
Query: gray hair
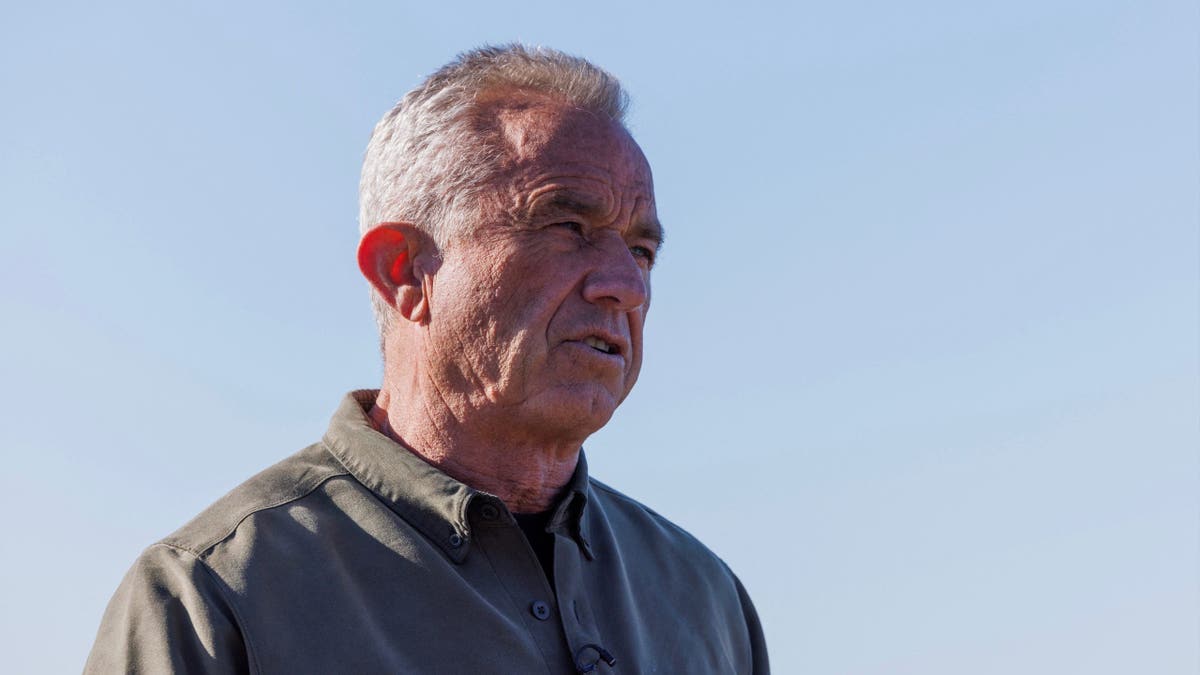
428, 158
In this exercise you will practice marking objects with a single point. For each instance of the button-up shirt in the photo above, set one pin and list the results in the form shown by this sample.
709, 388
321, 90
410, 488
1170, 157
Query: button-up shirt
356, 556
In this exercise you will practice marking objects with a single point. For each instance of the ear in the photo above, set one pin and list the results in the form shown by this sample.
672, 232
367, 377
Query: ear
389, 256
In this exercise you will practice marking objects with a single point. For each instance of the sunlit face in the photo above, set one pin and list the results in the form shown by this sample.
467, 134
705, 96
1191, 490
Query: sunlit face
538, 312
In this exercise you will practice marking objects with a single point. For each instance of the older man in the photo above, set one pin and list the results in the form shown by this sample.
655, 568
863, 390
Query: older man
446, 523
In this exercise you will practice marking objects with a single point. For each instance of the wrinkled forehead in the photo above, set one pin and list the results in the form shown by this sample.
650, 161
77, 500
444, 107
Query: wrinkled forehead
539, 131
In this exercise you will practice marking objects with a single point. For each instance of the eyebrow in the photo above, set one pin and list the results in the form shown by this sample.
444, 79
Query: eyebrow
575, 204
652, 230
646, 229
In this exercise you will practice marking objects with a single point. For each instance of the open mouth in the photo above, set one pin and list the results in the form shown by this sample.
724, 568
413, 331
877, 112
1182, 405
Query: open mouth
600, 345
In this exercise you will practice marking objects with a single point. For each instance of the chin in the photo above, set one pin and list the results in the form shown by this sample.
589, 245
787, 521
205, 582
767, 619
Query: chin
579, 410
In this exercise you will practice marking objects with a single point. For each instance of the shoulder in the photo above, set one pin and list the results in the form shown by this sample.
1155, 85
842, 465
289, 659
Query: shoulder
621, 504
690, 584
289, 481
633, 524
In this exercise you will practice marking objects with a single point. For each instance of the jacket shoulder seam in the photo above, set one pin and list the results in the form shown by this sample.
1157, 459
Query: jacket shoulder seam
203, 549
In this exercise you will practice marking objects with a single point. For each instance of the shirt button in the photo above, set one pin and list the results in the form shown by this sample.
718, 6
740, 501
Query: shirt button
539, 610
455, 540
489, 512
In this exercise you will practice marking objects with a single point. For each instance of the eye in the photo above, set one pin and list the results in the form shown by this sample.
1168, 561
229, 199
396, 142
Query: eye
643, 252
571, 225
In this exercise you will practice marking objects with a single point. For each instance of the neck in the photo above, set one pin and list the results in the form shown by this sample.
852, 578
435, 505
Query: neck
527, 474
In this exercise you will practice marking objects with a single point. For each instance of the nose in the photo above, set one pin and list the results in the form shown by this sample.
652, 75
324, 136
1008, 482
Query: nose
616, 280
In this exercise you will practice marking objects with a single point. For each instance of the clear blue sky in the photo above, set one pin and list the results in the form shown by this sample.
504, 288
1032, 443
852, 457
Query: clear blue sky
923, 359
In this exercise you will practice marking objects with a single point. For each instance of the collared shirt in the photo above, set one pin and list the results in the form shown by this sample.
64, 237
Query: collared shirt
356, 556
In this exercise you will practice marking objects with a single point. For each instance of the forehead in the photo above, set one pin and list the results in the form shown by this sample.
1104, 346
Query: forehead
546, 140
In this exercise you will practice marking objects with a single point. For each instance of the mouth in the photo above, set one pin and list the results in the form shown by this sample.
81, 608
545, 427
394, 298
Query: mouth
602, 345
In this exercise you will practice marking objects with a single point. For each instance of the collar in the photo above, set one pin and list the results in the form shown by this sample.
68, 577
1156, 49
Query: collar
441, 507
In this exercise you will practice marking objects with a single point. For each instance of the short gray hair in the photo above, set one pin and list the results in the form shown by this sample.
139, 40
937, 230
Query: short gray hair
426, 160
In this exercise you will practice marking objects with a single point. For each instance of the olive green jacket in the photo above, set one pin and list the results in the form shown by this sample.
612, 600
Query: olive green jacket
355, 556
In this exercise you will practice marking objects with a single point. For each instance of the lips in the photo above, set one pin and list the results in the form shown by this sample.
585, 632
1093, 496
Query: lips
601, 345
602, 341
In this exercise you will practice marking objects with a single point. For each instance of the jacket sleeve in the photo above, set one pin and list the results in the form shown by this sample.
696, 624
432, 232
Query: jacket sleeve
758, 643
169, 615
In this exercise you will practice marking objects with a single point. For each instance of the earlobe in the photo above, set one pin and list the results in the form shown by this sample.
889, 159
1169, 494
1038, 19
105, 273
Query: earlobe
385, 257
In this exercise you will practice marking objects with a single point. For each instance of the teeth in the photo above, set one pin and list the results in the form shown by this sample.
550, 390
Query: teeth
597, 343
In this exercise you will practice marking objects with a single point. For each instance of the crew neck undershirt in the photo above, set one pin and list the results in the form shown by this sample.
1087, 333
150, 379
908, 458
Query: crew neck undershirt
533, 525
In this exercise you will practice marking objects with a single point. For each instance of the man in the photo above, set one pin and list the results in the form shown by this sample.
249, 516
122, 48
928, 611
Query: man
446, 522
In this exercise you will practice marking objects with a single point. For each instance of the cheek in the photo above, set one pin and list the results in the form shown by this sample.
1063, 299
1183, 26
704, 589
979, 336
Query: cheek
461, 311
509, 321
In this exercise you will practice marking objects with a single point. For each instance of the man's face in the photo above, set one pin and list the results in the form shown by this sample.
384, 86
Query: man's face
537, 311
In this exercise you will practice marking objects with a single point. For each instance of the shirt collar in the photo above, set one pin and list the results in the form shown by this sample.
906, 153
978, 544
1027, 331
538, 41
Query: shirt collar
431, 501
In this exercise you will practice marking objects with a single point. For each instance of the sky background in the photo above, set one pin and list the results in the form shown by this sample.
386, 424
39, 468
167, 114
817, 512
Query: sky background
922, 365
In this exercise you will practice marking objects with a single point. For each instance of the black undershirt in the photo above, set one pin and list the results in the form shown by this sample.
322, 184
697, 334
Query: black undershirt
542, 542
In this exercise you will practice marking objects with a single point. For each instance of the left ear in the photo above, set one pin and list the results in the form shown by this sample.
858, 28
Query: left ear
387, 256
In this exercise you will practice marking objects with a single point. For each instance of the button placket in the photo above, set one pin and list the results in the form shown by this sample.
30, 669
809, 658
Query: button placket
503, 545
579, 625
